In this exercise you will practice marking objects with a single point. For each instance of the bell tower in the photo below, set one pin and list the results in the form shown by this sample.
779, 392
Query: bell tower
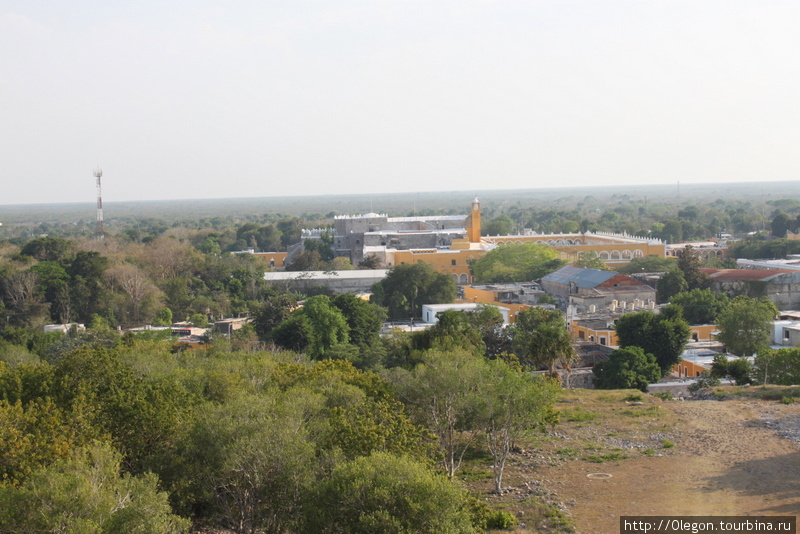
474, 230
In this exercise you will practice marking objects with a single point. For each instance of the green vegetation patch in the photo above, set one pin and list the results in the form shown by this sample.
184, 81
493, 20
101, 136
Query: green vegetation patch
602, 458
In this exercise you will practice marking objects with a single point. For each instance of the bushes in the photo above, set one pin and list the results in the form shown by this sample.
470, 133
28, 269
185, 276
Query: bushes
386, 493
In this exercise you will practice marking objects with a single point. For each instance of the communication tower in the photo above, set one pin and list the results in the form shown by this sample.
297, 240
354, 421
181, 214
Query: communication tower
98, 173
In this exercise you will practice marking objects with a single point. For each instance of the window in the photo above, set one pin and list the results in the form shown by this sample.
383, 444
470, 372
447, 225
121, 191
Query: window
602, 341
452, 262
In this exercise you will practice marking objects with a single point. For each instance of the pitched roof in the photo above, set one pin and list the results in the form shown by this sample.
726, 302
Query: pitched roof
583, 278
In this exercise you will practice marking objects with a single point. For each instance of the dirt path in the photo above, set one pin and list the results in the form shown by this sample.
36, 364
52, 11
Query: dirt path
728, 459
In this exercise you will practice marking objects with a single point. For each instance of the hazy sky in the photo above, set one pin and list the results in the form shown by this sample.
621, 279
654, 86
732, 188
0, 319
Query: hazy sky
205, 98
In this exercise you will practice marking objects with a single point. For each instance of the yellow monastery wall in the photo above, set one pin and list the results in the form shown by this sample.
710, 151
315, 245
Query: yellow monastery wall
452, 262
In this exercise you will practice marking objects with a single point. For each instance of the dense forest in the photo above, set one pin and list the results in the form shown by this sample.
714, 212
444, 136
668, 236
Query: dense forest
308, 419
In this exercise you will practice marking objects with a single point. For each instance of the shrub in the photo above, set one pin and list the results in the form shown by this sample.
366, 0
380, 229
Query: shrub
500, 520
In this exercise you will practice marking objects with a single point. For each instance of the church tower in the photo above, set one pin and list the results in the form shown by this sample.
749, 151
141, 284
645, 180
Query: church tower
474, 229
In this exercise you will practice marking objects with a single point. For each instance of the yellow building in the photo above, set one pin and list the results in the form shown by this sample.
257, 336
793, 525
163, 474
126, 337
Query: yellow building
612, 249
449, 261
601, 336
448, 243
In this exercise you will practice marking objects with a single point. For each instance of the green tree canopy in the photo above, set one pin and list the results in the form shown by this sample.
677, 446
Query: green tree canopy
442, 393
386, 493
516, 262
780, 366
590, 260
363, 318
627, 368
315, 327
745, 325
540, 338
701, 306
275, 308
671, 284
663, 335
689, 264
87, 494
648, 264
500, 225
407, 287
513, 402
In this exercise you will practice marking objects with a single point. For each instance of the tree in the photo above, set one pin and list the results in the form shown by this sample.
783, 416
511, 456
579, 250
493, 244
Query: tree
370, 261
87, 290
671, 284
540, 338
276, 307
500, 225
513, 402
627, 368
364, 319
53, 282
48, 248
407, 287
327, 322
164, 318
648, 264
663, 335
452, 331
442, 393
22, 297
295, 333
780, 224
323, 245
590, 260
87, 494
780, 366
134, 283
689, 264
198, 320
701, 306
488, 322
386, 493
516, 262
745, 325
252, 460
738, 369
310, 260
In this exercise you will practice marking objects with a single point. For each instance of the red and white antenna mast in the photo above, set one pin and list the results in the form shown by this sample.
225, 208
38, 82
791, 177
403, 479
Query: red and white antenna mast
98, 173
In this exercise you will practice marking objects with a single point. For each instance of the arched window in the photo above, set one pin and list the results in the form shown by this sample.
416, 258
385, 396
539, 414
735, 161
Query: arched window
615, 254
638, 253
603, 255
463, 279
627, 254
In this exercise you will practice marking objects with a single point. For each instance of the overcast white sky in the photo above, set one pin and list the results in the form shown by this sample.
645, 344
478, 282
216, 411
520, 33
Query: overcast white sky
206, 98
